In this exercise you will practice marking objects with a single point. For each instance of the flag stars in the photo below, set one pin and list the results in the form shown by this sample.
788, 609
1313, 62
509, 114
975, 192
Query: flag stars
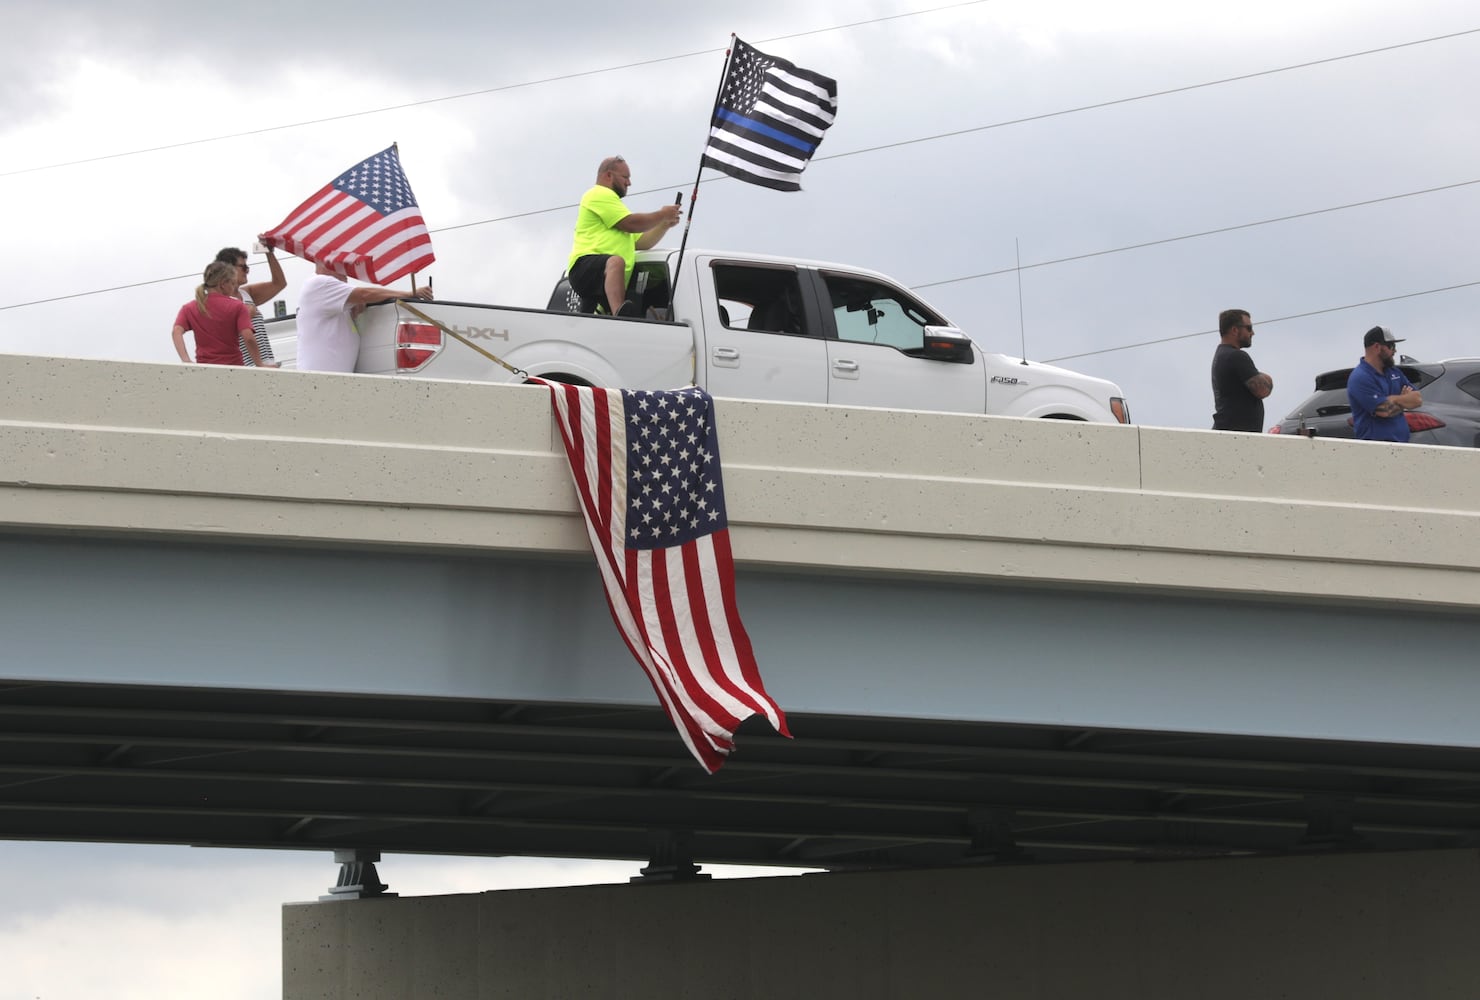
669, 446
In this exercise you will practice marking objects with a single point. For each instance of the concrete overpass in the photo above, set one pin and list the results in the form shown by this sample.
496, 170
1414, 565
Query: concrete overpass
277, 609
282, 609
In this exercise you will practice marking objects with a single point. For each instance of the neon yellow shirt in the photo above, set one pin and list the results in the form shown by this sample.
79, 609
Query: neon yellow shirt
596, 230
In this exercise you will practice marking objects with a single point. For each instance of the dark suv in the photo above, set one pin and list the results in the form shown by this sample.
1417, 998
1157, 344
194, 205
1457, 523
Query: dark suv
1450, 414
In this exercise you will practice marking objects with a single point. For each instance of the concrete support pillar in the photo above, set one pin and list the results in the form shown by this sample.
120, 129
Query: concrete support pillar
1359, 926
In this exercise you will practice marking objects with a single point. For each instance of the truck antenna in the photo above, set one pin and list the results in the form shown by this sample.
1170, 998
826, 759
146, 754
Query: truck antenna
1022, 328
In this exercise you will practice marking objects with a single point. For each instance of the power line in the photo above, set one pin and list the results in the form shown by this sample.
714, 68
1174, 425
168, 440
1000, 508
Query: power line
1159, 93
1013, 121
1267, 322
871, 149
1035, 118
777, 38
476, 93
98, 291
926, 284
1206, 232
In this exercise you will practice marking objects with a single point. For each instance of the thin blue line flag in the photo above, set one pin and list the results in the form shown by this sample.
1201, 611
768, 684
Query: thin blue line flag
769, 119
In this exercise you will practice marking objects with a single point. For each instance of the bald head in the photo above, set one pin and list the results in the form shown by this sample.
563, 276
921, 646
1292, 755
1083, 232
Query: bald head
615, 174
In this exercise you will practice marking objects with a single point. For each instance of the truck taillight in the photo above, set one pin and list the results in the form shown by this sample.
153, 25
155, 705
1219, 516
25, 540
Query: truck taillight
416, 344
1421, 421
1120, 409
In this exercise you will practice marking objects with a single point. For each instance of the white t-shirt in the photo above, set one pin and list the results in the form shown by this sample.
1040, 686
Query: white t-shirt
327, 341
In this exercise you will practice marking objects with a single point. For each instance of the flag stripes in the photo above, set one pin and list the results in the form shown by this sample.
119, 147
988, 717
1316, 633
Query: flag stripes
646, 469
364, 224
769, 119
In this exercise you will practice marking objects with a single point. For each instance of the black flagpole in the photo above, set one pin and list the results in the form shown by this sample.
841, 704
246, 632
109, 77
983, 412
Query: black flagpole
694, 198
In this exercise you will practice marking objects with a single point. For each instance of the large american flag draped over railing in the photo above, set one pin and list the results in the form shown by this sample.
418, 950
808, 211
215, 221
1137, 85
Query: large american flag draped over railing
363, 224
769, 119
646, 467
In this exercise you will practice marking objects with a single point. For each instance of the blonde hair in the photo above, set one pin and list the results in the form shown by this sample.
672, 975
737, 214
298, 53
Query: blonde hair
216, 274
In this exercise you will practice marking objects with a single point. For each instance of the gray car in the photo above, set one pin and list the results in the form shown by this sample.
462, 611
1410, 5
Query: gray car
1450, 414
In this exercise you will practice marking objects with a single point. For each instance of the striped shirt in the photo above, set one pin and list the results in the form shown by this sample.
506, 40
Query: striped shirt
259, 327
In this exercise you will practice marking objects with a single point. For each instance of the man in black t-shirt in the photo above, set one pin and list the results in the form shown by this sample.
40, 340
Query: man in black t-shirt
1239, 389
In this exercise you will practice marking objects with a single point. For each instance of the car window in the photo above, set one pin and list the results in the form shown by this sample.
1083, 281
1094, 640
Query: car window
1471, 385
870, 312
759, 297
1417, 376
1326, 403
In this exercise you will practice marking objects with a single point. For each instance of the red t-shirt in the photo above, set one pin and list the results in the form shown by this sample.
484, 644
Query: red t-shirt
217, 333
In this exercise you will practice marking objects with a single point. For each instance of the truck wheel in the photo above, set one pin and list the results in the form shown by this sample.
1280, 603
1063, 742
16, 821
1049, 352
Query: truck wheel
1062, 416
562, 377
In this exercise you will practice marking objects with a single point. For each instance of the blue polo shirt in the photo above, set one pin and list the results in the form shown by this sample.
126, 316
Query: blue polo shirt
1366, 389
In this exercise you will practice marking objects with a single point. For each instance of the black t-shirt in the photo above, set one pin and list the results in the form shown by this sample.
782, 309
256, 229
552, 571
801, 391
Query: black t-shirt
1235, 408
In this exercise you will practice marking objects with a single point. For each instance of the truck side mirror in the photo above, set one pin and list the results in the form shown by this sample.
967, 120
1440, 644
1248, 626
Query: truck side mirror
946, 343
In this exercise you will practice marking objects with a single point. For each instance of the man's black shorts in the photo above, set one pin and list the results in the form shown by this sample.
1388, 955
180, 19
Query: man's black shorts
588, 278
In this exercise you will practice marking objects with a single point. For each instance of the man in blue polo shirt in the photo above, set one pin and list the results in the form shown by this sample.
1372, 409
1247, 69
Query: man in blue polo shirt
1379, 393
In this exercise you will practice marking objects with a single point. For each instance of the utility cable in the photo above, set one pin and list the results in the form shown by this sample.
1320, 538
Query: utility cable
927, 284
1267, 322
1004, 124
1157, 93
834, 156
580, 74
1193, 236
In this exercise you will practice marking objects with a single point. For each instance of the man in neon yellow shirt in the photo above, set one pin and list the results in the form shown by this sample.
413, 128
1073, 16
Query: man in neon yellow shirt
608, 237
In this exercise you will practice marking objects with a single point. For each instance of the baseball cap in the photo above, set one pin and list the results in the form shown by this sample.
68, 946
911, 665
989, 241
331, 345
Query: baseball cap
1380, 335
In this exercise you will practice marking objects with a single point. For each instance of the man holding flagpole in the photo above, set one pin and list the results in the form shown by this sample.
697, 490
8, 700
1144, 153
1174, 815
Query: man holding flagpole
364, 223
608, 236
327, 306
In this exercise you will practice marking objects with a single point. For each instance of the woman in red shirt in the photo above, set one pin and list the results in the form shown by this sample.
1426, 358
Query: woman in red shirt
220, 321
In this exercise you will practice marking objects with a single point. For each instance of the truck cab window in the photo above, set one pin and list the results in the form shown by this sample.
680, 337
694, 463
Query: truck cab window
867, 312
765, 299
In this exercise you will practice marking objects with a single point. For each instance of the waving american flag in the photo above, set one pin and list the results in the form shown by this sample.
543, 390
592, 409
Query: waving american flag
363, 224
646, 467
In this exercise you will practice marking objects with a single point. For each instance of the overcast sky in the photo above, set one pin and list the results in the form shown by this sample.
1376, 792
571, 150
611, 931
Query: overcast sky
957, 135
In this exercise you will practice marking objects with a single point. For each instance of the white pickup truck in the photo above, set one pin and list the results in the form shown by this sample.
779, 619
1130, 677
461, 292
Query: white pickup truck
746, 326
